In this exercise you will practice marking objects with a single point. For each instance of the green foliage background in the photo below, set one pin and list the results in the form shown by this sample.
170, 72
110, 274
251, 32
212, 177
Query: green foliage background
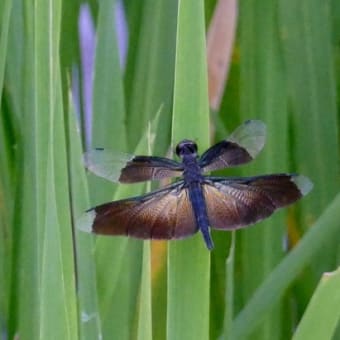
59, 283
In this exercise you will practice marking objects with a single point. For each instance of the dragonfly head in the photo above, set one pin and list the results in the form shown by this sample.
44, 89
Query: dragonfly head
186, 148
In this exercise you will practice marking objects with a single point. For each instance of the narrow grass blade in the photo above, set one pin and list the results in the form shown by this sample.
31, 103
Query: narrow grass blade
159, 288
309, 63
108, 96
229, 291
88, 313
189, 260
272, 289
58, 312
46, 252
108, 110
307, 48
5, 10
263, 96
115, 257
149, 77
7, 186
28, 239
150, 69
119, 261
323, 313
144, 328
16, 63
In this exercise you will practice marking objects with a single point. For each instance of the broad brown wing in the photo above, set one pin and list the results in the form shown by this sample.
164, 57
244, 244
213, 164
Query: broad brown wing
241, 147
125, 168
233, 204
163, 214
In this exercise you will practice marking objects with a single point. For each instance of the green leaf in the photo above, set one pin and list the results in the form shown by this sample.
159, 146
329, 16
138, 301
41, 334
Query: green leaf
117, 299
309, 62
88, 313
7, 177
144, 330
5, 10
262, 96
189, 260
46, 245
306, 36
150, 69
323, 314
269, 293
229, 290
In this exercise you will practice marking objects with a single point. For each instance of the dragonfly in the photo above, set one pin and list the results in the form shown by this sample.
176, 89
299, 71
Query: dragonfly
195, 202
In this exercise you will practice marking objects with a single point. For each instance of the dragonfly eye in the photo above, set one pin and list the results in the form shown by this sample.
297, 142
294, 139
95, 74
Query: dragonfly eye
186, 147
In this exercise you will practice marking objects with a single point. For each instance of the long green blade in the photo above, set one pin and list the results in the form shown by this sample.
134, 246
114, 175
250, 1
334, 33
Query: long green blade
323, 306
46, 248
88, 313
189, 260
269, 293
263, 96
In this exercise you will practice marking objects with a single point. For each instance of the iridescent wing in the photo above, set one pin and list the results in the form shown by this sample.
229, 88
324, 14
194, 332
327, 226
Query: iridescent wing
241, 147
235, 203
163, 214
125, 168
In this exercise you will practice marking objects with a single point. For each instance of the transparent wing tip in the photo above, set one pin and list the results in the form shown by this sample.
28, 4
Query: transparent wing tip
85, 221
255, 127
251, 135
105, 163
303, 183
255, 123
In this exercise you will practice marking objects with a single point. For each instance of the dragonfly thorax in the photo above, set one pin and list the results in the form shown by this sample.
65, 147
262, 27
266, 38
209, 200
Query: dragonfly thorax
187, 151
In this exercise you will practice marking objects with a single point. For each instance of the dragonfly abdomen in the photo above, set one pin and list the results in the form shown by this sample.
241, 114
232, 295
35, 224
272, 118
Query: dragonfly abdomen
200, 212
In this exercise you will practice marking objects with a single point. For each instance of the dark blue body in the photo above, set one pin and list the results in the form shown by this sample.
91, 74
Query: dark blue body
193, 179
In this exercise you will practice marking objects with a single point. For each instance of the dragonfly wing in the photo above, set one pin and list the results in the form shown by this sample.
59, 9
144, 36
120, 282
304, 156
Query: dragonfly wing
125, 168
241, 147
235, 203
163, 214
